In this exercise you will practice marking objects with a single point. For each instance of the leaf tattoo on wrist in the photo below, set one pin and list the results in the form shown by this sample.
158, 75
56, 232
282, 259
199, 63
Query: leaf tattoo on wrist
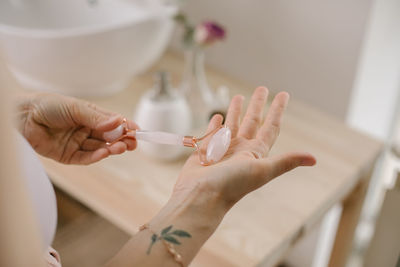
169, 235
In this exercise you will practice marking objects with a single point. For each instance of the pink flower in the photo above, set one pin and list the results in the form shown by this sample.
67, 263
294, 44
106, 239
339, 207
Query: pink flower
208, 32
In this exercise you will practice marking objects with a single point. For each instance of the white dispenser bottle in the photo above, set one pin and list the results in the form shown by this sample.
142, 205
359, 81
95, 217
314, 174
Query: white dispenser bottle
163, 109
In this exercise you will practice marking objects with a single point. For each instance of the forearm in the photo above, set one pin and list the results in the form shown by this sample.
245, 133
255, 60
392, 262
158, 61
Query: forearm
18, 226
198, 214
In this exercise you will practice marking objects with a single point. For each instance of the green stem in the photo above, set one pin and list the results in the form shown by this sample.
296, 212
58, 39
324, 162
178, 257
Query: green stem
149, 249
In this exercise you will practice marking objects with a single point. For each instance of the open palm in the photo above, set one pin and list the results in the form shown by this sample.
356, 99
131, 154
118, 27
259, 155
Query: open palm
246, 165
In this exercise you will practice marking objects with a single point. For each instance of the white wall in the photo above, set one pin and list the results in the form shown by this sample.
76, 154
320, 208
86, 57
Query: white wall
377, 85
309, 48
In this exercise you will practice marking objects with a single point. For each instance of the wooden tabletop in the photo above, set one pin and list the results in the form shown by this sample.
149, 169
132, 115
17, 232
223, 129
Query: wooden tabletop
129, 189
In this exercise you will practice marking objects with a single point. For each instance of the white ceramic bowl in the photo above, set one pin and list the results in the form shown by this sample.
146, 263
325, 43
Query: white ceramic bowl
82, 47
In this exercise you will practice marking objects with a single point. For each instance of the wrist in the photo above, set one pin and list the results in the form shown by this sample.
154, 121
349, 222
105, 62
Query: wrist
198, 208
176, 234
196, 212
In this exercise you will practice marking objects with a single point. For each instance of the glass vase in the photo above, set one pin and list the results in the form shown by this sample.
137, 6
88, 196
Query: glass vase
195, 87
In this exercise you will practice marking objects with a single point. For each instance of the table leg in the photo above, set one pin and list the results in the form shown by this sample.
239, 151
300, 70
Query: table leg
352, 206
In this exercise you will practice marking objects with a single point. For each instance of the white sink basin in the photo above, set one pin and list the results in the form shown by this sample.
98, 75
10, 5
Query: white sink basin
82, 47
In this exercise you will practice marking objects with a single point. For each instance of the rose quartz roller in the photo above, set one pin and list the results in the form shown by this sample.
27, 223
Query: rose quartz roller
216, 147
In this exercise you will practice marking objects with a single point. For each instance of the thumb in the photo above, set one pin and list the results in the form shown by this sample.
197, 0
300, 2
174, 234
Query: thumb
277, 165
89, 115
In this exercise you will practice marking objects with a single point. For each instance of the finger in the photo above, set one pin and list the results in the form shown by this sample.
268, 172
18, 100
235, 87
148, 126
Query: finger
132, 125
105, 123
92, 144
214, 123
131, 144
275, 166
100, 134
86, 157
88, 115
233, 115
252, 119
269, 131
117, 148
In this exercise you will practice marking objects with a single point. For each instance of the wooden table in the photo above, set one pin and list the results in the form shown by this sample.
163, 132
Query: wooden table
129, 189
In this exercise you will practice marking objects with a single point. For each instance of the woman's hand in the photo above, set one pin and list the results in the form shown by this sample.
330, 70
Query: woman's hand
246, 165
203, 194
69, 130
